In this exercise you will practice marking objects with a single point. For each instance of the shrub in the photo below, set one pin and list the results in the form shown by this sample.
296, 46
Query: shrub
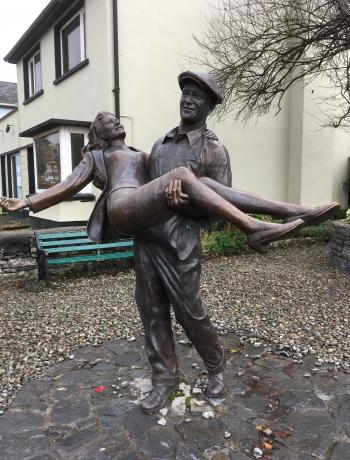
322, 231
224, 242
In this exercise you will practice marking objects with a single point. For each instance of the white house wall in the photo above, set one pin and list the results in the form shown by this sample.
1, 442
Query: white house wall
83, 94
285, 157
155, 38
11, 140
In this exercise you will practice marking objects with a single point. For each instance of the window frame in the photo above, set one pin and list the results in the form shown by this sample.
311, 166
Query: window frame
65, 154
39, 136
35, 90
77, 10
28, 95
81, 15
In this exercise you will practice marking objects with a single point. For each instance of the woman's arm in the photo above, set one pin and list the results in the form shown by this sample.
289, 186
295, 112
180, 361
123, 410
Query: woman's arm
76, 181
13, 204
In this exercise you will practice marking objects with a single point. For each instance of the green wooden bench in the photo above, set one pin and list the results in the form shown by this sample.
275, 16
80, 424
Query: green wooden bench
70, 247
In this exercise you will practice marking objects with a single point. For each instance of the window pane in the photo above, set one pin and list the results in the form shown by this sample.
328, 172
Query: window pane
3, 175
77, 143
48, 161
37, 72
31, 78
16, 176
71, 45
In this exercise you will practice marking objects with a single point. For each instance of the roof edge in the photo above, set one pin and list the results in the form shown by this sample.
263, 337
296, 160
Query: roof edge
51, 124
50, 14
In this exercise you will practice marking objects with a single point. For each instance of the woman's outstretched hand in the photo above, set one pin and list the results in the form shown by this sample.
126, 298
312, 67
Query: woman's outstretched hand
12, 204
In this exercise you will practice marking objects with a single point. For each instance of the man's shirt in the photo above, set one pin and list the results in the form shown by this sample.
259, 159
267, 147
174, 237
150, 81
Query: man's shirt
205, 157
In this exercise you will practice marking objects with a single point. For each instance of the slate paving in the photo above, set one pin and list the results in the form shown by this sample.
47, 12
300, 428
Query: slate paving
88, 408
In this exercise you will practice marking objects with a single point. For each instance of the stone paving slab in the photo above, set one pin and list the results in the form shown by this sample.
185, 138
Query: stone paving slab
88, 408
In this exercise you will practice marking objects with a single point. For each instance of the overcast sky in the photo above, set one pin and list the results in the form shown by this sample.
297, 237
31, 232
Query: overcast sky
15, 18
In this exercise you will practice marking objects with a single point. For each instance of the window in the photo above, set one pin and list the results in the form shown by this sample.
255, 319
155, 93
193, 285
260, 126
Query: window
34, 74
11, 175
4, 188
48, 161
70, 42
56, 154
77, 142
16, 176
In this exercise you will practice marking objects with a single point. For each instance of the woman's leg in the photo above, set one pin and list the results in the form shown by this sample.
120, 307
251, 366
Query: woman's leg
252, 203
147, 205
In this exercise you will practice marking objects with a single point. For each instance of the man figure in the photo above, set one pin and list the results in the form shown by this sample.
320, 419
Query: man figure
170, 274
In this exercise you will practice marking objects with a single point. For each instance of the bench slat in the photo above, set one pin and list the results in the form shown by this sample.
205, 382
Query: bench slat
51, 236
47, 244
90, 258
89, 247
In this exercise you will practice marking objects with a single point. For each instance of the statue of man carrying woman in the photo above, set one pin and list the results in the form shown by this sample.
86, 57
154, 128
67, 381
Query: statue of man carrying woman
158, 199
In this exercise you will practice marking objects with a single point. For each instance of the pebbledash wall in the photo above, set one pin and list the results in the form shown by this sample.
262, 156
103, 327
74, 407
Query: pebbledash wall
287, 157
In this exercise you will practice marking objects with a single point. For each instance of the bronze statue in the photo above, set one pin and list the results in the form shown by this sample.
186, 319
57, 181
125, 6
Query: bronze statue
155, 200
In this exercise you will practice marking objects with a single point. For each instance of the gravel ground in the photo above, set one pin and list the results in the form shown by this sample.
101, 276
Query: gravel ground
290, 299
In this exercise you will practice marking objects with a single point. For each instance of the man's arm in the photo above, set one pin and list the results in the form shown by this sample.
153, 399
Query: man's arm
218, 164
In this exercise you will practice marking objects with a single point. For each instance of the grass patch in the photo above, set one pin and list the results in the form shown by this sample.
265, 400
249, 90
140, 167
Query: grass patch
174, 395
230, 240
322, 231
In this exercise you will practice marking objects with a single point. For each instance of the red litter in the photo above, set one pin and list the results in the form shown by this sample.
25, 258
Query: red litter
100, 389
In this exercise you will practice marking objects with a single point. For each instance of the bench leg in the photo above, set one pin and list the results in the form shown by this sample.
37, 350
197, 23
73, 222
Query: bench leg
41, 266
47, 273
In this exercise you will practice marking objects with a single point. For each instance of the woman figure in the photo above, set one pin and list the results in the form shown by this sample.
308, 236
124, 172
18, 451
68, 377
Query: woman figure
132, 205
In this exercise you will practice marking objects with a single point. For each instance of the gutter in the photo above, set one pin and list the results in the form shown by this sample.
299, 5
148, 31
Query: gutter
116, 88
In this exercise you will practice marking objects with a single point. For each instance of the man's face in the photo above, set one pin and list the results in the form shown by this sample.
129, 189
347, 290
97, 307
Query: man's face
195, 104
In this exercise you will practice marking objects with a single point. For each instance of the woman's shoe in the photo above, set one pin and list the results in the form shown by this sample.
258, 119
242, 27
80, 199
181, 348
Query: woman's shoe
260, 239
316, 215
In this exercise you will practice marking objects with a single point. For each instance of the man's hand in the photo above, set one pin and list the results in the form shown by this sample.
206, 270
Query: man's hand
210, 135
175, 195
12, 204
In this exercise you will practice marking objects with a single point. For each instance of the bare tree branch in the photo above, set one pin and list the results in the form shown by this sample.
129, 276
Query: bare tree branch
257, 49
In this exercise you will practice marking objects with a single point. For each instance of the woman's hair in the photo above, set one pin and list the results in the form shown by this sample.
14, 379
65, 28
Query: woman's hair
96, 142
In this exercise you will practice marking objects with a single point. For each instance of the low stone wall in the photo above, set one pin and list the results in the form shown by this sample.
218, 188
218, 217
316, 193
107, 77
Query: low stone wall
340, 246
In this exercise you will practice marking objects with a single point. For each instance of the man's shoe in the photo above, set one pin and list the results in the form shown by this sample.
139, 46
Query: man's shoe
156, 398
216, 385
317, 215
258, 240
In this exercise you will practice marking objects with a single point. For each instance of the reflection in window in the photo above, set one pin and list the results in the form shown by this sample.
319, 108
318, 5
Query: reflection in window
48, 160
77, 143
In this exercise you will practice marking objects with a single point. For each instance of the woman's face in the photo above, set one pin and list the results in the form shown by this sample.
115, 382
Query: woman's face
109, 127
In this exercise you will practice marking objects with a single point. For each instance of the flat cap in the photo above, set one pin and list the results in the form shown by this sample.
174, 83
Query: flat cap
203, 79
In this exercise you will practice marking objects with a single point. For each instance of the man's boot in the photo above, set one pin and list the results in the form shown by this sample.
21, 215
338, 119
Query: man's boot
216, 385
156, 398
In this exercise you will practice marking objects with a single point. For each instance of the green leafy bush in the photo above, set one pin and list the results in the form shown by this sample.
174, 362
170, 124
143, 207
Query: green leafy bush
224, 242
322, 231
